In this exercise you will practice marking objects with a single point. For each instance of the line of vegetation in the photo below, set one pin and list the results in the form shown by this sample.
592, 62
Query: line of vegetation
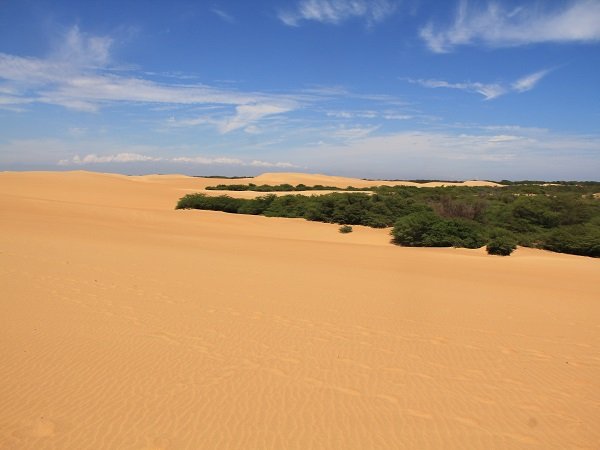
224, 177
282, 188
563, 218
419, 180
593, 184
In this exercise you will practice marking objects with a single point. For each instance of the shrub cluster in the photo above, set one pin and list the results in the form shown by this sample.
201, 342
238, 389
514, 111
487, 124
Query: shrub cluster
426, 229
501, 246
563, 218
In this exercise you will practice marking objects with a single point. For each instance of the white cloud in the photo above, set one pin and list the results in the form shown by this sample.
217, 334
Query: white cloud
397, 116
12, 100
97, 159
80, 49
475, 154
338, 11
528, 82
206, 160
258, 163
223, 15
369, 114
351, 133
77, 76
244, 116
247, 114
511, 128
495, 26
504, 138
489, 91
126, 157
252, 129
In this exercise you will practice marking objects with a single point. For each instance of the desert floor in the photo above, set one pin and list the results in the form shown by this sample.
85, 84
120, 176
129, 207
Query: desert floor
127, 324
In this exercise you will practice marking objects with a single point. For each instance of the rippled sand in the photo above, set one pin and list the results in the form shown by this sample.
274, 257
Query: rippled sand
127, 324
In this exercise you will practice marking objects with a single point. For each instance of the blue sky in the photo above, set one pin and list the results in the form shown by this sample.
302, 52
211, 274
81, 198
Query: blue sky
370, 88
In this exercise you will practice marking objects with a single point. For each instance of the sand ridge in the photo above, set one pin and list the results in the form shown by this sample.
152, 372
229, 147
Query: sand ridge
128, 324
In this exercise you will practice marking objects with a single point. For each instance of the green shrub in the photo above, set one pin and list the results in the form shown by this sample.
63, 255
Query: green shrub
426, 229
577, 240
412, 230
344, 229
500, 245
454, 233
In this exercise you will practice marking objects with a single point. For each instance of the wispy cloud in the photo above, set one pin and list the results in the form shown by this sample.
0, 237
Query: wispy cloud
352, 133
281, 165
528, 82
77, 75
82, 49
223, 15
127, 157
247, 114
369, 114
93, 158
489, 91
503, 138
337, 11
243, 116
496, 26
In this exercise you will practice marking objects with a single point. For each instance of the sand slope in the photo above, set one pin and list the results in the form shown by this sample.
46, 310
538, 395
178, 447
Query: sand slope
127, 324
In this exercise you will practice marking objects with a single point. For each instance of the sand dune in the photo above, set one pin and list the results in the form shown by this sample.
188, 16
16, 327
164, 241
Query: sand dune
327, 180
127, 324
312, 180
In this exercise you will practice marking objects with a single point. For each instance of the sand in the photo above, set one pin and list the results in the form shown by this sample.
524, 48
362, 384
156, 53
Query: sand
127, 324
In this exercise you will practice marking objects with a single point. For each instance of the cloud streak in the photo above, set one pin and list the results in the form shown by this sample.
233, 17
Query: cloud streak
489, 91
127, 157
495, 26
223, 15
528, 82
78, 76
335, 12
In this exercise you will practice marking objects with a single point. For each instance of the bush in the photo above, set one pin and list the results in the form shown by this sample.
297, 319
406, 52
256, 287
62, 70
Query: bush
501, 245
426, 229
576, 240
201, 201
345, 229
411, 230
455, 233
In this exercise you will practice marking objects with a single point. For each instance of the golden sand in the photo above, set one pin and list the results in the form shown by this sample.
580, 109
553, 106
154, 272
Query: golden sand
127, 324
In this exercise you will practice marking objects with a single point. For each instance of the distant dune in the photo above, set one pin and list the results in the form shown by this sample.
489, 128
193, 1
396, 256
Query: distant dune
127, 324
327, 180
294, 178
